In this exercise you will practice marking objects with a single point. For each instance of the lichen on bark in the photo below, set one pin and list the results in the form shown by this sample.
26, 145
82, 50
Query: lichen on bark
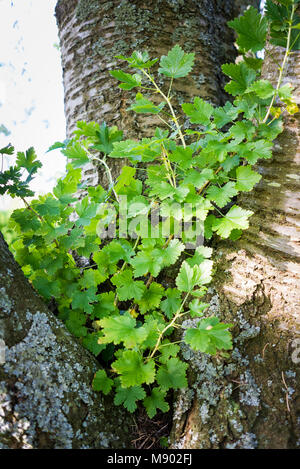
46, 398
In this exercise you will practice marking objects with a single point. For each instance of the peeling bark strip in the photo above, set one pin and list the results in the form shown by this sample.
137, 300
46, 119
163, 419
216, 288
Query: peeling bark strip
92, 32
46, 399
252, 399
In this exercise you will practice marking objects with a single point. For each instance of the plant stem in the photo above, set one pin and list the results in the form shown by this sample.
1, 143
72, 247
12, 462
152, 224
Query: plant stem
167, 99
283, 65
171, 324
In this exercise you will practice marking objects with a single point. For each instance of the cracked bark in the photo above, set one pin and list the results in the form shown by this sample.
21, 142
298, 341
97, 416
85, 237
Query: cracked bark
46, 399
251, 400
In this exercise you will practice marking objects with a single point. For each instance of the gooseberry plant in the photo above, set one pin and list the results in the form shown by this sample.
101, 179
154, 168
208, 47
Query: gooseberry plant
102, 258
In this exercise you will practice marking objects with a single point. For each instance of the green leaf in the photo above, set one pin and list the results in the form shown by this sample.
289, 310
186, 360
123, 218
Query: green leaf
138, 60
75, 324
222, 195
246, 178
182, 156
172, 252
76, 153
236, 218
127, 288
176, 64
144, 105
117, 329
127, 149
47, 288
106, 137
28, 160
199, 112
147, 260
241, 75
263, 88
172, 303
101, 382
151, 298
155, 401
86, 211
67, 186
129, 396
8, 150
172, 374
198, 178
105, 305
125, 178
197, 308
91, 278
90, 342
83, 299
48, 206
225, 114
258, 149
209, 336
252, 30
242, 130
189, 277
133, 370
167, 350
128, 81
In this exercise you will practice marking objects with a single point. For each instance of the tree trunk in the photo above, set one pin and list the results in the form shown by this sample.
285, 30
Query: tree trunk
92, 33
252, 400
46, 399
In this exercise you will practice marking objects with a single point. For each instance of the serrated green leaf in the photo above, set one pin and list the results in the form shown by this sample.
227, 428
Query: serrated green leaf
252, 30
172, 303
172, 374
75, 152
128, 81
127, 288
263, 88
138, 60
222, 195
101, 382
258, 149
46, 288
176, 64
75, 324
196, 308
90, 342
129, 396
241, 75
151, 298
209, 336
155, 401
199, 112
119, 329
246, 178
133, 370
83, 299
236, 218
144, 105
189, 277
225, 114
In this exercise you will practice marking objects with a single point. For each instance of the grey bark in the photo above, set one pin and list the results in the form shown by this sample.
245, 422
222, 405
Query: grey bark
252, 400
46, 399
92, 33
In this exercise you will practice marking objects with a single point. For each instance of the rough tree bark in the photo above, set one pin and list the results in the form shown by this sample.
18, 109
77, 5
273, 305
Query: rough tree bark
46, 399
252, 400
93, 32
229, 404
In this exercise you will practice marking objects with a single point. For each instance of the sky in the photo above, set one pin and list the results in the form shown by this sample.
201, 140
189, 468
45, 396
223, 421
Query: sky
31, 91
